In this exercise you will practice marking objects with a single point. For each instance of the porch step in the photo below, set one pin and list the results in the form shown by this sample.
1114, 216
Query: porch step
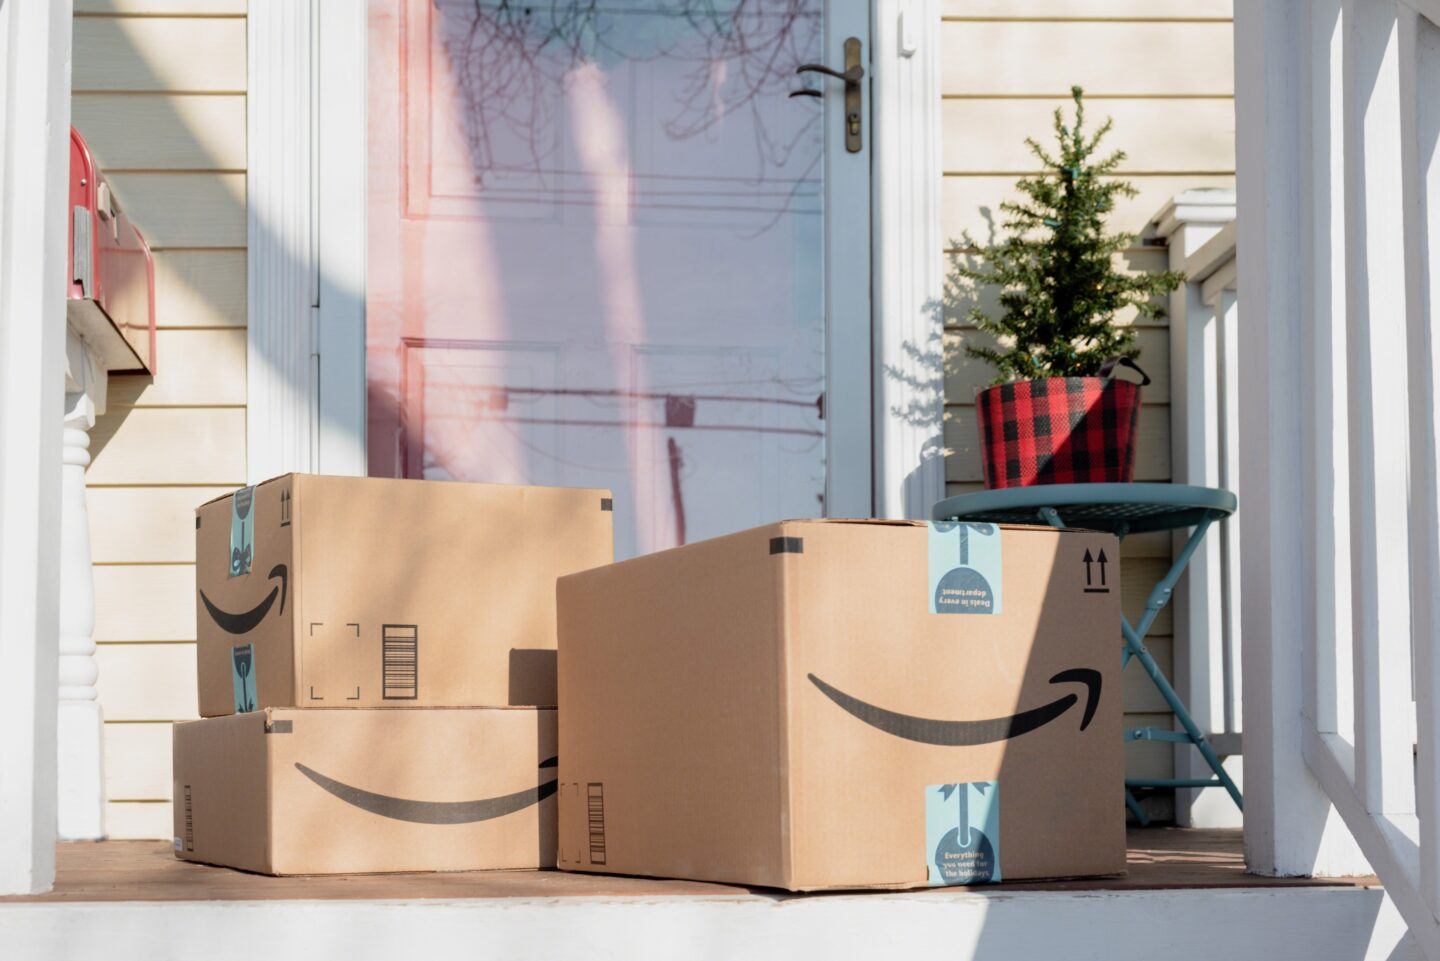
1185, 897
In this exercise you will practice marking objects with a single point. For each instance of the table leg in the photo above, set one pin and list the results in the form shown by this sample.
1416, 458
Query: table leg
1135, 647
1141, 817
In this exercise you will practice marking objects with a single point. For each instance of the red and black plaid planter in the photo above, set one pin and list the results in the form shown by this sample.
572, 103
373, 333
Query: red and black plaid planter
1059, 430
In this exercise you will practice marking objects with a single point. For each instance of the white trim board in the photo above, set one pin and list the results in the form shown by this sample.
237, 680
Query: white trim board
281, 281
847, 229
907, 254
34, 179
341, 204
1278, 924
307, 251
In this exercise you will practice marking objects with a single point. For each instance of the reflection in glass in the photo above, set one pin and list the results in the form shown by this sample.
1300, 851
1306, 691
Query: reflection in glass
595, 255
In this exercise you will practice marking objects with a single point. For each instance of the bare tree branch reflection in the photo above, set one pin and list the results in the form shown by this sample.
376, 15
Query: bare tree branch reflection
723, 58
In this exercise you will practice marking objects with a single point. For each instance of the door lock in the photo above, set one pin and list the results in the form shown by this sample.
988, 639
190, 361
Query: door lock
853, 73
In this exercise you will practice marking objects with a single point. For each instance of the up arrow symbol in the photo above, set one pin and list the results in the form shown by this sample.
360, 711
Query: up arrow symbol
1101, 559
1088, 561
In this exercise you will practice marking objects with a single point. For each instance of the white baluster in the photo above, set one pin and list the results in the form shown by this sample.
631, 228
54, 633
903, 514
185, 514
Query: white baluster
81, 729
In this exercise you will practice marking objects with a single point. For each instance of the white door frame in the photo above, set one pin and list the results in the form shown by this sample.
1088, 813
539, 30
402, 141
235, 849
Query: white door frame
846, 213
907, 258
306, 177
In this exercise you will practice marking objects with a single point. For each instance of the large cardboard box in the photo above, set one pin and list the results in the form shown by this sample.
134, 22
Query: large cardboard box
329, 791
833, 704
369, 592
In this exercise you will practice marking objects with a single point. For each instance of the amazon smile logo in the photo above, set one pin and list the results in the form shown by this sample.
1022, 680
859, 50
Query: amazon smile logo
245, 621
434, 812
927, 730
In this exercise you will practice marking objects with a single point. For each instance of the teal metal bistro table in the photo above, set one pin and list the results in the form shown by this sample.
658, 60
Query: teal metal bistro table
1122, 509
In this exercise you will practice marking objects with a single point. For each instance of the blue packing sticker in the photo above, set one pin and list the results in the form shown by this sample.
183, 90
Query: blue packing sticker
242, 677
242, 531
965, 568
962, 833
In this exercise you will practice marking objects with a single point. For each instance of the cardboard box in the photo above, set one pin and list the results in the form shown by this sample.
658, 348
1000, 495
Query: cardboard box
784, 707
369, 592
330, 791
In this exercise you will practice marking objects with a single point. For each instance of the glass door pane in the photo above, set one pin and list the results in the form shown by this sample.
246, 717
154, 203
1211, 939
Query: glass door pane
595, 254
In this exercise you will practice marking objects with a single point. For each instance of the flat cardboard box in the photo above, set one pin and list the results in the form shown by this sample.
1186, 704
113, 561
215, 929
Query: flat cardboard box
372, 592
781, 707
335, 791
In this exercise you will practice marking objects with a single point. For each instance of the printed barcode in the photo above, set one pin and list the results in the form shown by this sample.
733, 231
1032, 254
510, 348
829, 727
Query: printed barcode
595, 819
189, 822
399, 662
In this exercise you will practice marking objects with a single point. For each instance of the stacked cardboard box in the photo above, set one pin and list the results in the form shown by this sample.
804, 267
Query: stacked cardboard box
806, 705
376, 671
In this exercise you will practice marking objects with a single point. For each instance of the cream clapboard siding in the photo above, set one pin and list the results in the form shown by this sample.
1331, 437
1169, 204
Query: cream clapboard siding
1162, 70
159, 93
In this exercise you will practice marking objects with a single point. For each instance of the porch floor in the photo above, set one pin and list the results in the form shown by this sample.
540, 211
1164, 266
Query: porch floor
1159, 859
1186, 895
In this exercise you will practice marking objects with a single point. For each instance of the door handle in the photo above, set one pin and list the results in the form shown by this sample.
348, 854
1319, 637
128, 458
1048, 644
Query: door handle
853, 73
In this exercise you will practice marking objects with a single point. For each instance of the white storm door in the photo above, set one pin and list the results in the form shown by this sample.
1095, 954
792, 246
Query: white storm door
607, 248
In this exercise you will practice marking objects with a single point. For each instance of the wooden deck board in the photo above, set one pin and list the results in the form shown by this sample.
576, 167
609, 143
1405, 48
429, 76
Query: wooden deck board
1159, 859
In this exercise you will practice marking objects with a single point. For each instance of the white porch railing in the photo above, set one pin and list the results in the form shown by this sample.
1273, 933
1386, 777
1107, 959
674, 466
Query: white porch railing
1338, 134
1199, 227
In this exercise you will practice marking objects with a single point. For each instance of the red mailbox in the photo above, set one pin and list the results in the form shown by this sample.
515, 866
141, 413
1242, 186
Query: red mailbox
112, 278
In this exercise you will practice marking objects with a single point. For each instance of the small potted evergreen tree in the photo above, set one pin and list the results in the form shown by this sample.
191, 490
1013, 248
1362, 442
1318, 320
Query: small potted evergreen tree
1055, 413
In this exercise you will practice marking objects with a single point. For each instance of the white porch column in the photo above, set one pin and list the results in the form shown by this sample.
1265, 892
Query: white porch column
34, 167
80, 735
1291, 828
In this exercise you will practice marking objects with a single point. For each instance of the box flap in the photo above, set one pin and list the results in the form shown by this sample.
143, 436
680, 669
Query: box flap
221, 787
958, 722
670, 739
246, 612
